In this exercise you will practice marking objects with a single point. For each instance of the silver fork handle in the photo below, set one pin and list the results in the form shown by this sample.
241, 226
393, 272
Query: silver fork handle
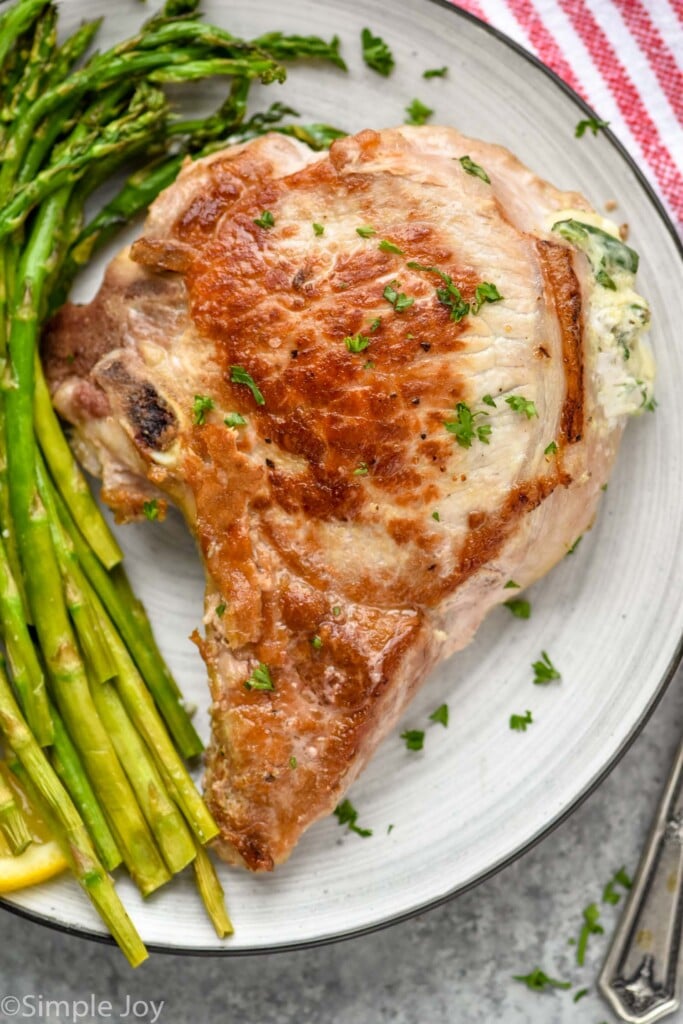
642, 975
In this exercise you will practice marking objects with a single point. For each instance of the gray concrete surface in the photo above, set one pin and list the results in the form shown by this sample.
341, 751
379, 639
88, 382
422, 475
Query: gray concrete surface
452, 965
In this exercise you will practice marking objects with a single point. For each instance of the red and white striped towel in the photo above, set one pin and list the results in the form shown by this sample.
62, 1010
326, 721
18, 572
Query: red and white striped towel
624, 57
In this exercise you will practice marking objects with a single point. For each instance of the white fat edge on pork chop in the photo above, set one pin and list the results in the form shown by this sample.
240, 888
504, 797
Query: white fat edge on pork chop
618, 316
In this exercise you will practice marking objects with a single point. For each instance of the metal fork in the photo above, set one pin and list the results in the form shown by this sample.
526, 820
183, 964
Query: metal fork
642, 975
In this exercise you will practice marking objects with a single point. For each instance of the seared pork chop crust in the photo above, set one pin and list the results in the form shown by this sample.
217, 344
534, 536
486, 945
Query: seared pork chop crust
316, 519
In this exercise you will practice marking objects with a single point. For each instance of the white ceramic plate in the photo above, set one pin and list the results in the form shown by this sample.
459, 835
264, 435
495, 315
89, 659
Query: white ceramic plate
610, 616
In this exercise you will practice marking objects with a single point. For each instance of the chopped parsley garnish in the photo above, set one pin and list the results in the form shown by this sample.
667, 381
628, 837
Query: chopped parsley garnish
292, 762
520, 722
603, 278
374, 324
389, 829
449, 296
151, 509
238, 375
572, 549
593, 124
319, 229
524, 406
220, 609
609, 895
201, 405
346, 814
511, 585
538, 981
369, 365
316, 643
485, 292
414, 739
551, 449
435, 516
398, 300
234, 420
362, 469
580, 994
390, 247
336, 610
356, 342
487, 400
469, 165
440, 715
376, 53
590, 927
266, 220
435, 72
260, 679
520, 608
544, 670
417, 112
623, 878
366, 231
464, 427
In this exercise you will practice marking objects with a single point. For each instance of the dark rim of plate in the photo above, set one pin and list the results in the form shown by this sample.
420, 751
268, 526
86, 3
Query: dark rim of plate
85, 933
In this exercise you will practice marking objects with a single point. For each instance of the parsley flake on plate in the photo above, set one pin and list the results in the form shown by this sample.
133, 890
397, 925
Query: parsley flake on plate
488, 400
390, 247
464, 427
435, 72
440, 715
590, 927
397, 299
511, 585
414, 739
238, 375
469, 165
572, 549
266, 220
361, 469
376, 53
520, 609
544, 670
418, 112
374, 324
449, 295
356, 342
609, 894
234, 420
201, 405
365, 231
346, 814
316, 642
151, 509
580, 994
319, 229
260, 678
292, 762
220, 609
551, 449
538, 981
519, 722
593, 124
524, 406
436, 516
485, 292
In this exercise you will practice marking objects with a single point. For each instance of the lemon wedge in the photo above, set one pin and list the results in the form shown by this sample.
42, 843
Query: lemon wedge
41, 859
37, 863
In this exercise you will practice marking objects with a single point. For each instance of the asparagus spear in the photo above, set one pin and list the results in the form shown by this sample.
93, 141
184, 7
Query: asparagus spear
27, 672
54, 802
68, 476
69, 767
12, 821
212, 893
146, 655
15, 22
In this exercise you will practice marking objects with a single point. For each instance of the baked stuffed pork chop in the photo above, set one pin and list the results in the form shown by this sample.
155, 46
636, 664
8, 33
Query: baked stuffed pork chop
379, 384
